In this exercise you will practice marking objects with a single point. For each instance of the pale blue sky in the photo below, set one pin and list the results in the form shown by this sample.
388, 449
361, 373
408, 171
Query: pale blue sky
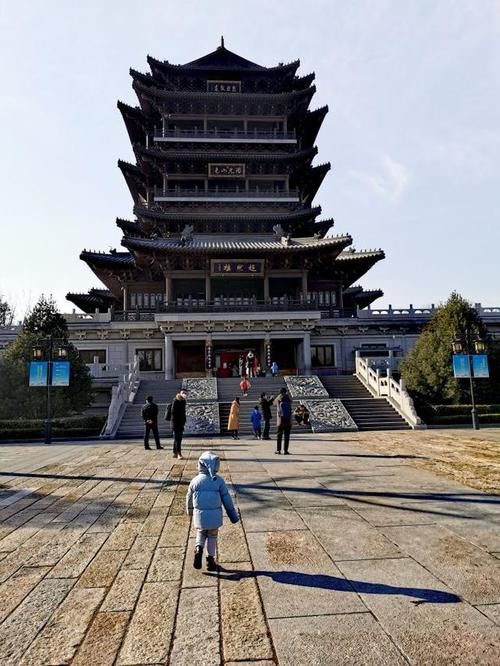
413, 132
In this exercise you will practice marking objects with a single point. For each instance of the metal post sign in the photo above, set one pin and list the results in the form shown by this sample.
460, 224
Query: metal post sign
39, 373
462, 368
60, 373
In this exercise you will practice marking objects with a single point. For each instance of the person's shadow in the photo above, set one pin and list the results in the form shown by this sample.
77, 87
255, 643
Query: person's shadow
325, 582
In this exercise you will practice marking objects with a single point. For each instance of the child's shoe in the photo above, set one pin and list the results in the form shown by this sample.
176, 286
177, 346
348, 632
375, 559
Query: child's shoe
211, 564
198, 557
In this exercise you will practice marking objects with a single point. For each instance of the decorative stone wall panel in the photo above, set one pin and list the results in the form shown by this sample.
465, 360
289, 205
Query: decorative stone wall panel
200, 389
202, 419
329, 416
303, 386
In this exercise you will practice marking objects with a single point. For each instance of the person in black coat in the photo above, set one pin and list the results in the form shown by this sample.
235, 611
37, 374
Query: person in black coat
265, 405
178, 421
150, 418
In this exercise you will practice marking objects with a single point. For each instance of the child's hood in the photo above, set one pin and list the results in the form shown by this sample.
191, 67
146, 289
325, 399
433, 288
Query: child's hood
209, 463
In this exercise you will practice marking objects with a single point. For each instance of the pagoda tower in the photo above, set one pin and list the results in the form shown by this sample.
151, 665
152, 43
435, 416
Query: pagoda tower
223, 188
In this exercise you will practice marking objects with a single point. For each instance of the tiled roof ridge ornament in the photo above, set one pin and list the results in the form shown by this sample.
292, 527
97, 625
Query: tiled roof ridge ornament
187, 234
278, 231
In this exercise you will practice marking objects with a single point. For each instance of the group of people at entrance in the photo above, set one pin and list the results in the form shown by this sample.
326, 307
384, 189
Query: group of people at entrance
262, 413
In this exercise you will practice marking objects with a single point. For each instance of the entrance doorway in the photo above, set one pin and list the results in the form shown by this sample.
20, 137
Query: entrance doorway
228, 355
189, 359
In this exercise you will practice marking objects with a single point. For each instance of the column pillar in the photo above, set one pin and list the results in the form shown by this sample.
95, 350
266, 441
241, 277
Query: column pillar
125, 298
168, 288
268, 351
306, 350
304, 286
266, 288
169, 357
209, 359
208, 289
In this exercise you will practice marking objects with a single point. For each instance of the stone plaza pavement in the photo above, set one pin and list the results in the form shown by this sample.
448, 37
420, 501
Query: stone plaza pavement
343, 556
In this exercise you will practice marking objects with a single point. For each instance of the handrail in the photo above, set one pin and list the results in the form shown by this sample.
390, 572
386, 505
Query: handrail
387, 387
122, 393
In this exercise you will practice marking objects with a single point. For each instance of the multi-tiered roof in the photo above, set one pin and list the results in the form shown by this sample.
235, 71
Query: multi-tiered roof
224, 150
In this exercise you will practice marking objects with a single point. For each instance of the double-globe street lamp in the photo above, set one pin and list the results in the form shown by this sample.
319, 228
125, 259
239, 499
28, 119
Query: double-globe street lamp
468, 345
48, 349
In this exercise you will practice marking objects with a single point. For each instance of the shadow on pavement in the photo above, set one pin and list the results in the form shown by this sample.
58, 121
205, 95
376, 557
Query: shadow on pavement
324, 582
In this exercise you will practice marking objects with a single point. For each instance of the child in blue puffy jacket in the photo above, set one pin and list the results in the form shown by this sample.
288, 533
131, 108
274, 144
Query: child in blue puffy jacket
256, 419
206, 495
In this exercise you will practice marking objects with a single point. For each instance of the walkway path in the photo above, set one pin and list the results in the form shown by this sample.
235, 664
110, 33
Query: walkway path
343, 556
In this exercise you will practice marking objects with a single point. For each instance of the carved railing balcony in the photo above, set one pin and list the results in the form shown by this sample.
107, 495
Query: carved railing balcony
224, 193
223, 135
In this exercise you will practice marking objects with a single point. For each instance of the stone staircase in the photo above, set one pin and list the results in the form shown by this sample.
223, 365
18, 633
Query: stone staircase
163, 392
369, 413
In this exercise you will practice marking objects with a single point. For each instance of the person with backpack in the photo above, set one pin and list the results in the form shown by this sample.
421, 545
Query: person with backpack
284, 418
150, 418
176, 413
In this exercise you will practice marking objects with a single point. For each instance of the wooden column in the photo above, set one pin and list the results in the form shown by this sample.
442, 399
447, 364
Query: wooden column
168, 288
304, 285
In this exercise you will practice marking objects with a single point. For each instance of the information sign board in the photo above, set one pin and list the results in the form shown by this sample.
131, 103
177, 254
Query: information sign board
480, 366
461, 369
60, 373
39, 373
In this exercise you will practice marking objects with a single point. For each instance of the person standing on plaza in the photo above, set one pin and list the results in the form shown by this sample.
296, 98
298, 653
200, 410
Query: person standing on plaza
207, 494
233, 422
284, 417
274, 369
150, 418
256, 420
178, 415
265, 405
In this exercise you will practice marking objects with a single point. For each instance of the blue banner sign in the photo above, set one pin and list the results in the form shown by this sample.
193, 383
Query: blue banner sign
480, 366
39, 373
60, 373
461, 368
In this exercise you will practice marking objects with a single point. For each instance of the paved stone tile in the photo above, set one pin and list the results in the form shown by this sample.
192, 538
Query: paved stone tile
492, 611
193, 577
124, 591
139, 556
175, 531
166, 565
141, 507
231, 544
196, 638
468, 570
58, 642
343, 640
394, 514
17, 587
297, 578
123, 536
244, 629
23, 625
483, 533
346, 536
77, 558
425, 619
149, 633
102, 570
260, 662
103, 640
269, 519
153, 524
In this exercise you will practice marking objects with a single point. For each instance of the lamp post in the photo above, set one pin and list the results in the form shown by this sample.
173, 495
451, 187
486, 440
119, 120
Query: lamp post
47, 345
469, 345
